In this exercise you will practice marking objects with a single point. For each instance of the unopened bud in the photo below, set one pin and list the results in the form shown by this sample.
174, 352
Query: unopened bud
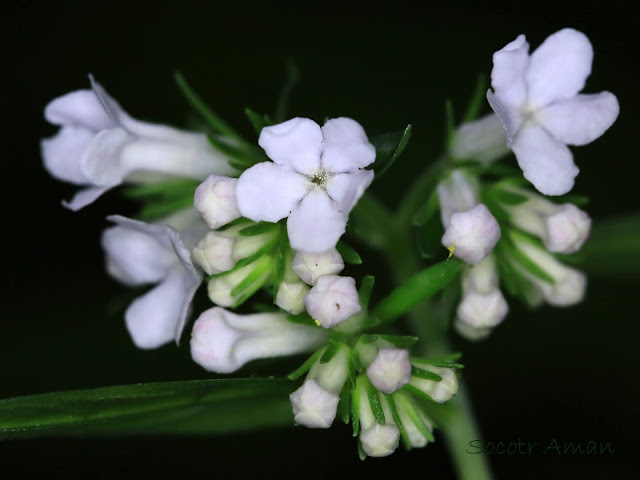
481, 310
311, 266
313, 406
483, 140
290, 296
214, 253
457, 193
567, 229
390, 370
441, 391
332, 300
472, 234
215, 199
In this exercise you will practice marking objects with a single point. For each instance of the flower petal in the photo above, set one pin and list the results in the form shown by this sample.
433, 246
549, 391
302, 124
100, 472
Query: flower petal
100, 161
316, 224
545, 162
346, 146
347, 188
62, 153
269, 192
582, 119
81, 108
296, 143
85, 197
181, 243
508, 73
154, 318
559, 67
135, 257
511, 120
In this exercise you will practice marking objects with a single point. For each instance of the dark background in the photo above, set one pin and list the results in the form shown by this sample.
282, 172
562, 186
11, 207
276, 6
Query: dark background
569, 374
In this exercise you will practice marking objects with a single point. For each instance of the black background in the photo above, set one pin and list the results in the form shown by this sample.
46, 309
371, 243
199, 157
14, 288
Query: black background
569, 374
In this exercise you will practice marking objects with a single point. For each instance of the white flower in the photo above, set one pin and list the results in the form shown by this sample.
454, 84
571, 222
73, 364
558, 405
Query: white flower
441, 391
290, 296
390, 370
100, 146
483, 140
215, 199
138, 253
223, 341
537, 99
313, 406
473, 234
315, 179
333, 300
311, 266
563, 228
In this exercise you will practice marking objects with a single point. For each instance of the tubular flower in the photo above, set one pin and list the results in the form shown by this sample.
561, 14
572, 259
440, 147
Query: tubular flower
536, 97
99, 146
316, 178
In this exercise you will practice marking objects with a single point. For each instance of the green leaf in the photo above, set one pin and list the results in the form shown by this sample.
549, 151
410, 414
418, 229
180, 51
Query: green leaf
577, 200
507, 197
389, 147
429, 238
170, 408
348, 254
214, 121
257, 121
427, 211
306, 366
170, 189
302, 318
233, 153
450, 124
416, 289
364, 294
613, 248
477, 100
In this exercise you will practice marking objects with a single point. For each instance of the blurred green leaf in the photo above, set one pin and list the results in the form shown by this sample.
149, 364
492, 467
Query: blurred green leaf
364, 293
292, 79
418, 288
348, 254
389, 147
477, 100
613, 249
257, 121
170, 408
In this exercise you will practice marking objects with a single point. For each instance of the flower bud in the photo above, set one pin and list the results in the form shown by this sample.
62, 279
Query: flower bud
470, 332
332, 300
215, 199
223, 341
567, 229
315, 403
313, 406
483, 140
220, 288
481, 277
482, 310
441, 391
311, 266
457, 193
214, 253
377, 440
390, 370
569, 285
472, 233
290, 296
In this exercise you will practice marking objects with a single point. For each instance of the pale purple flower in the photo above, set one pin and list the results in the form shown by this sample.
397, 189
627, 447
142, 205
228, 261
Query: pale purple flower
316, 178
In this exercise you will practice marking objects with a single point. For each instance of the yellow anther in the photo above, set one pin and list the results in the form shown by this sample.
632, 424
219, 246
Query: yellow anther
451, 250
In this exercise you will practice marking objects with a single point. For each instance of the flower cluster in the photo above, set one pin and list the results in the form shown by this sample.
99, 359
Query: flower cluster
268, 231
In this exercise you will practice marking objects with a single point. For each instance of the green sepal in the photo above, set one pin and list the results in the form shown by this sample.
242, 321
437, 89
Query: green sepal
389, 147
429, 238
302, 318
344, 405
252, 278
331, 350
396, 418
243, 262
153, 211
355, 410
508, 197
258, 229
374, 400
235, 223
577, 200
425, 374
416, 392
214, 121
364, 293
521, 258
348, 254
361, 453
306, 366
258, 122
414, 416
400, 341
169, 190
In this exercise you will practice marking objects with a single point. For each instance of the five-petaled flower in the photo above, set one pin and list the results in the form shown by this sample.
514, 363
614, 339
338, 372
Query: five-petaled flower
316, 178
537, 99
